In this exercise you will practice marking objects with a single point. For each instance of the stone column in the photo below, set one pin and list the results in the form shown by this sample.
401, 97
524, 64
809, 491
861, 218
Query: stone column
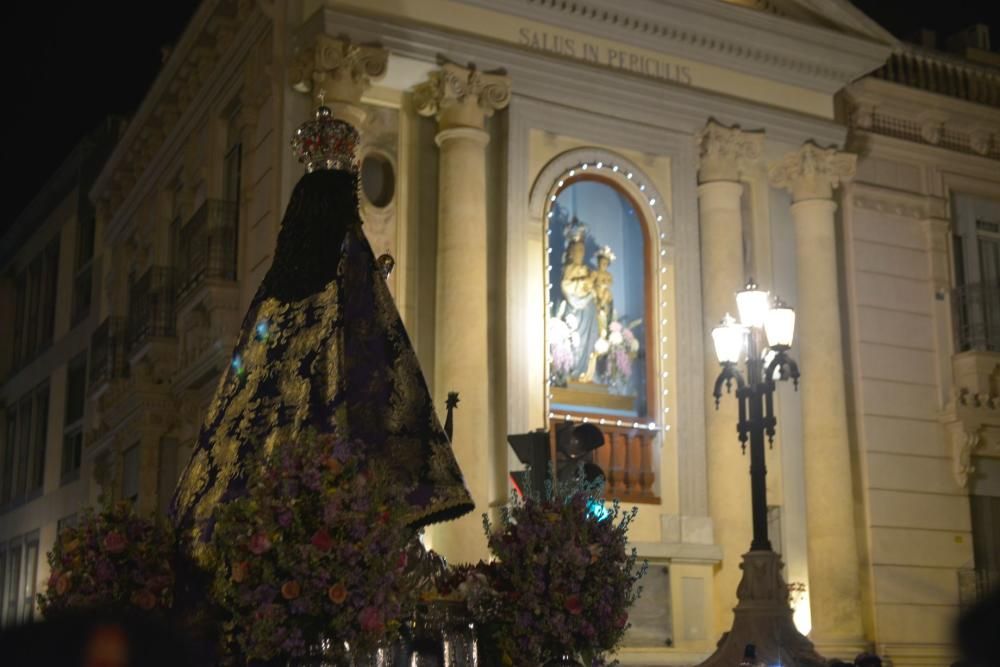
461, 100
724, 153
811, 174
337, 73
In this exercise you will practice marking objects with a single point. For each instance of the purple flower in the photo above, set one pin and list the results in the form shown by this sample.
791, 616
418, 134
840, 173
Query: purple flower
104, 570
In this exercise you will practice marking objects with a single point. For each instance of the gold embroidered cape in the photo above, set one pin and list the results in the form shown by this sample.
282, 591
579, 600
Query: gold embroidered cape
322, 346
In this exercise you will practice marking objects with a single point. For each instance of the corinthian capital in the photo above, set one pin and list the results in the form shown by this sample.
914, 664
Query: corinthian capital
337, 73
727, 151
462, 97
813, 172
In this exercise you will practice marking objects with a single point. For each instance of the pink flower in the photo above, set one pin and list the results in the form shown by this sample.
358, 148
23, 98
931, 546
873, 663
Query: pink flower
573, 605
371, 619
114, 542
615, 326
322, 540
622, 620
259, 544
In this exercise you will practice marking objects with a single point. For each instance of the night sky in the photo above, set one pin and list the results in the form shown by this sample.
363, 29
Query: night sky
70, 64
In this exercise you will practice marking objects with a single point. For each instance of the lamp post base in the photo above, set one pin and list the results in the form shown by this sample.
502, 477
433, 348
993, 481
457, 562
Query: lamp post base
763, 618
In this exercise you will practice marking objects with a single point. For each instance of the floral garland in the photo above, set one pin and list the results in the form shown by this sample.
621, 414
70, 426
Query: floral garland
313, 555
113, 561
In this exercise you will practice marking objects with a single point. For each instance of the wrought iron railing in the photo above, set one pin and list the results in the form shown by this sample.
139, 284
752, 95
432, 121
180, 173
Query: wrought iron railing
977, 317
976, 584
107, 352
150, 307
207, 246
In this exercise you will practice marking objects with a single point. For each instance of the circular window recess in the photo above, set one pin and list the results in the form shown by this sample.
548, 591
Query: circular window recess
378, 179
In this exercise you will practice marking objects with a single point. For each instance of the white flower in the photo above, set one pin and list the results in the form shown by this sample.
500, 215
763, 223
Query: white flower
574, 340
572, 321
601, 346
634, 344
558, 332
615, 338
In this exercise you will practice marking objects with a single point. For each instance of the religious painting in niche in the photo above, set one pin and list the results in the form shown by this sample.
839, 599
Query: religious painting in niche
597, 301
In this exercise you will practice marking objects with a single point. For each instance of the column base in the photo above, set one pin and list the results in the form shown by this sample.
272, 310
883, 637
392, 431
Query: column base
763, 618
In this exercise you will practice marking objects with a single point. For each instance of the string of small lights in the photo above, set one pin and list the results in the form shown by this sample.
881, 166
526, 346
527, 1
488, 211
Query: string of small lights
624, 176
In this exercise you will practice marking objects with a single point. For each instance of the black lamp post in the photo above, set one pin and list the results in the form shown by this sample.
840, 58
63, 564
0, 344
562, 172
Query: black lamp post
763, 616
765, 331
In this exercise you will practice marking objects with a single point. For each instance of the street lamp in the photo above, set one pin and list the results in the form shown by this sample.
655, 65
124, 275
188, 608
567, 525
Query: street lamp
762, 329
763, 336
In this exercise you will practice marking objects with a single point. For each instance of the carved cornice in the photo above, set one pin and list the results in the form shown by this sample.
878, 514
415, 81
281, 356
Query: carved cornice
813, 172
726, 152
460, 96
756, 43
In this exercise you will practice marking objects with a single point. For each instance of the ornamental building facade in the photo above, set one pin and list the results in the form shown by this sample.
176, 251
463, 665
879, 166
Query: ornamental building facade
573, 192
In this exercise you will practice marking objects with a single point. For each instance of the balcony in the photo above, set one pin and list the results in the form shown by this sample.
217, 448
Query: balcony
207, 248
151, 308
977, 317
626, 458
107, 353
943, 74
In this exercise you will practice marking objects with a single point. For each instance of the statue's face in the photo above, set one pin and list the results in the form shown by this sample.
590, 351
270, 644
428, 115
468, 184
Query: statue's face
602, 263
576, 252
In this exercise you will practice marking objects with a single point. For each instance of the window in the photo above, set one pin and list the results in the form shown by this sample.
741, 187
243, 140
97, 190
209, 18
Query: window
7, 473
130, 473
597, 301
977, 272
34, 316
176, 220
13, 582
18, 580
24, 450
23, 447
83, 267
39, 434
30, 579
232, 159
3, 579
76, 394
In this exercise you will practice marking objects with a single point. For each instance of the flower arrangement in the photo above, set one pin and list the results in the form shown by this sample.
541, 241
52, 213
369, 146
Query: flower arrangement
111, 561
313, 554
564, 576
621, 349
562, 343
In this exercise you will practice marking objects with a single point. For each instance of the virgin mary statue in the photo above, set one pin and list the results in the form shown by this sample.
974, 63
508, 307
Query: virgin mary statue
322, 348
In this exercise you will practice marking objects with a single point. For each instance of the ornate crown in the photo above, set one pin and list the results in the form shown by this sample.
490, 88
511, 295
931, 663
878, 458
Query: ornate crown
605, 252
326, 143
